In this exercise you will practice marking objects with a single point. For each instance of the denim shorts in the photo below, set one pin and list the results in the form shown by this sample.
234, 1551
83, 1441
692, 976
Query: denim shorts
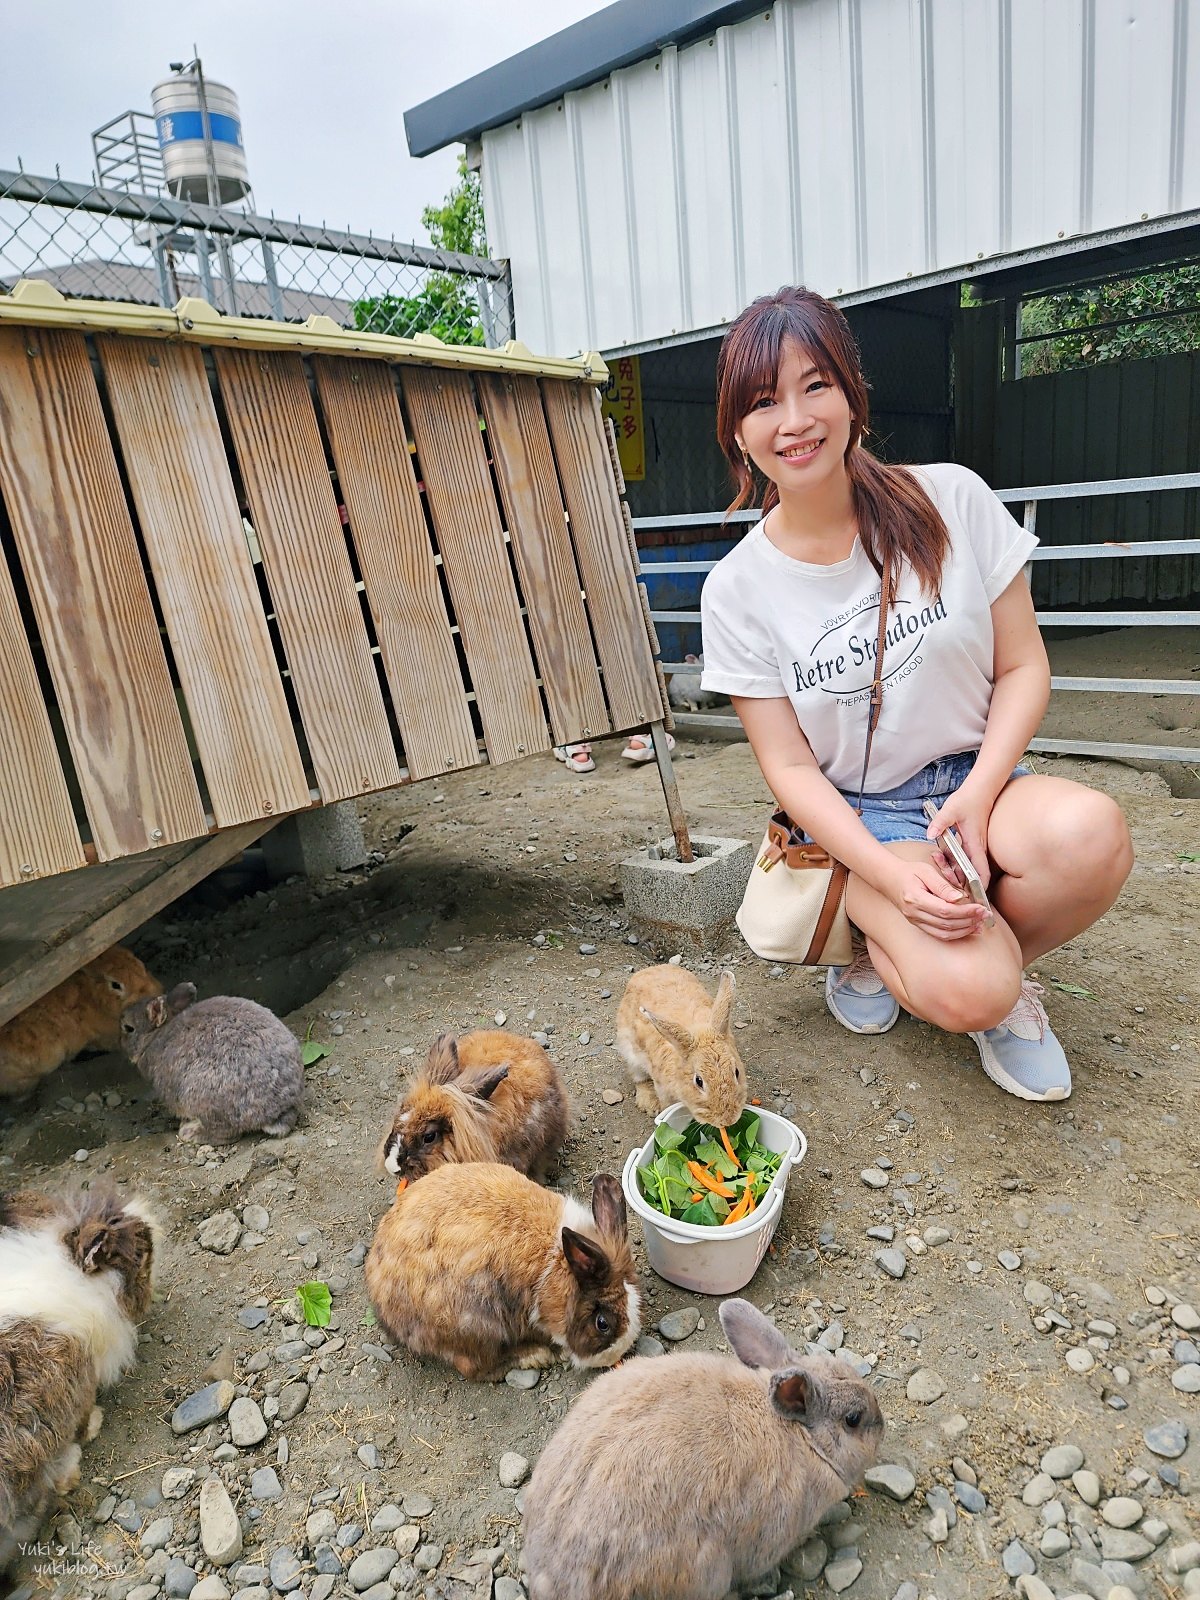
896, 813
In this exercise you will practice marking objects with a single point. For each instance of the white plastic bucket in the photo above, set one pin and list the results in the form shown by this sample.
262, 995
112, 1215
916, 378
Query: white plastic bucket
713, 1260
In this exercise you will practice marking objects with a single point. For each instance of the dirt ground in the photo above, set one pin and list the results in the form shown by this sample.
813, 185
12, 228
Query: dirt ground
484, 887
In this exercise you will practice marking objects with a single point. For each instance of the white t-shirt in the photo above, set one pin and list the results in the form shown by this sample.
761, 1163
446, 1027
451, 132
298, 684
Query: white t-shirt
775, 626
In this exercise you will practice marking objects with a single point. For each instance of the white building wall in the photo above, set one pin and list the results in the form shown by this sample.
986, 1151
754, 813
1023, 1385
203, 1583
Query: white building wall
846, 144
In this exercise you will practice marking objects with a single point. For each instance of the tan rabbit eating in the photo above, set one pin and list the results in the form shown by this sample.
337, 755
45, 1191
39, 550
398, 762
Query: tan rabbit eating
676, 1042
83, 1012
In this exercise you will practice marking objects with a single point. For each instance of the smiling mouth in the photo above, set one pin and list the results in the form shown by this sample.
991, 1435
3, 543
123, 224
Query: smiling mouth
801, 452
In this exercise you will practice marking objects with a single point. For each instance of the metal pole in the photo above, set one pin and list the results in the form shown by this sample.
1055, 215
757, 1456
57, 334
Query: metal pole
666, 772
272, 277
160, 264
204, 267
214, 190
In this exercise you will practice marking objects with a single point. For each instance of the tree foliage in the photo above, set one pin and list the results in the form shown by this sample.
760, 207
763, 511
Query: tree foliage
1121, 320
446, 306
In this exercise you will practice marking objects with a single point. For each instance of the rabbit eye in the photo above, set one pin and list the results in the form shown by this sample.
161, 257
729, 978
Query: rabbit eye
853, 1418
603, 1325
430, 1136
116, 985
698, 1081
737, 1075
127, 1027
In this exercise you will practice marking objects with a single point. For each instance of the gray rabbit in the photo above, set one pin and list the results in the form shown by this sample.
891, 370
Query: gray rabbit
227, 1066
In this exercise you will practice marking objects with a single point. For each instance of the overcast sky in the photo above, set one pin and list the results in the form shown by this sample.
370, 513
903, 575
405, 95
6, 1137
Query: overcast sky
323, 88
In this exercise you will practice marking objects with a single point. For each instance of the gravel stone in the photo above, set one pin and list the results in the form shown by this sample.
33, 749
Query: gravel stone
206, 1405
1031, 1587
889, 1478
1184, 1557
1185, 1317
678, 1325
1009, 1260
349, 1534
611, 1097
265, 1484
252, 1317
428, 1557
1037, 1294
293, 1398
290, 1350
246, 1425
1055, 1542
176, 1481
1123, 1544
257, 1218
1080, 1360
1122, 1511
1016, 1559
369, 1456
1037, 1491
840, 1574
969, 1497
371, 1567
936, 1236
179, 1579
1062, 1461
1186, 1379
648, 1345
508, 1589
1087, 1486
220, 1531
808, 1561
210, 1588
873, 1178
286, 1571
320, 1526
1167, 1439
387, 1519
893, 1262
522, 1377
157, 1535
938, 1526
220, 1233
514, 1469
322, 1587
417, 1505
925, 1386
407, 1539
1185, 1351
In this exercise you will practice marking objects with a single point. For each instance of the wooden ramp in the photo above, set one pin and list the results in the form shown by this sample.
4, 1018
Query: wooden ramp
250, 567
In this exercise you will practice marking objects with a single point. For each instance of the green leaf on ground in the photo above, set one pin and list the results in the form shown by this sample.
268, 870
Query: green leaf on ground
310, 1051
1073, 988
315, 1302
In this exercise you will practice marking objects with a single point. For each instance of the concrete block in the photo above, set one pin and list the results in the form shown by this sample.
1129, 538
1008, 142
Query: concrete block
314, 844
672, 901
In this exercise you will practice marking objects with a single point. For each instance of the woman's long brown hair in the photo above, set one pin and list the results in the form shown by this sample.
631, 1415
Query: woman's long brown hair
895, 516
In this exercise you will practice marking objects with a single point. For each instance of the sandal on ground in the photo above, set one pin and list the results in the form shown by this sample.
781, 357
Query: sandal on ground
641, 747
1021, 1053
578, 757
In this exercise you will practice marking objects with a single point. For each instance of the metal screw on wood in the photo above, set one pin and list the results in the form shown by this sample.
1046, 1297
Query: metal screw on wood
156, 834
155, 362
26, 870
268, 807
520, 749
32, 350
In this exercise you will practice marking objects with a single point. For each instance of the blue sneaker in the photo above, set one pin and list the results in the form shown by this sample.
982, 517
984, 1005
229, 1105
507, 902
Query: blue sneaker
858, 997
1021, 1053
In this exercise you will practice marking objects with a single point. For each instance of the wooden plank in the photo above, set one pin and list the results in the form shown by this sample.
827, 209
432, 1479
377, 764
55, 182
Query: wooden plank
450, 453
278, 443
89, 592
28, 981
597, 531
37, 826
387, 523
541, 542
193, 533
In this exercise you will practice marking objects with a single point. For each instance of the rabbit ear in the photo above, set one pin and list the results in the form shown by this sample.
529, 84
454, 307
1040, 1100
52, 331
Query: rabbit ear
180, 997
484, 1082
792, 1394
722, 1005
675, 1032
754, 1338
443, 1064
608, 1206
123, 1242
588, 1263
156, 1011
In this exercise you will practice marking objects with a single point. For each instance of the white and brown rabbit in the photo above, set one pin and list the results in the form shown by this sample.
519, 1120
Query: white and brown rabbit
227, 1066
785, 1436
83, 1012
75, 1281
677, 1044
489, 1096
480, 1267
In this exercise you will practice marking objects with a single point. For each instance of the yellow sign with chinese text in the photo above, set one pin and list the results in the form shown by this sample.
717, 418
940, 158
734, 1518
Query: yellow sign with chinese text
621, 400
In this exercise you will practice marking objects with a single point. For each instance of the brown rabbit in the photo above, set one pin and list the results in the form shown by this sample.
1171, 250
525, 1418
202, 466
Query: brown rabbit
480, 1267
489, 1096
83, 1012
621, 1505
75, 1280
676, 1043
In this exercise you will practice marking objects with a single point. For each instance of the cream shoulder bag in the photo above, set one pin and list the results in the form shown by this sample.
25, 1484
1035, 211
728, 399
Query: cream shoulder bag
798, 915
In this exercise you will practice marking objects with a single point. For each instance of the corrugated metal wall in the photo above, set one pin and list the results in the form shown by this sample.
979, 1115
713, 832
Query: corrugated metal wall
841, 143
1127, 419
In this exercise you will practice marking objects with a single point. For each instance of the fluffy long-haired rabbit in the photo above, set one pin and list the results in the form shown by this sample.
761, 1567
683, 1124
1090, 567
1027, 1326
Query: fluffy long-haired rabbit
480, 1267
675, 1039
684, 1478
75, 1281
83, 1012
227, 1066
489, 1096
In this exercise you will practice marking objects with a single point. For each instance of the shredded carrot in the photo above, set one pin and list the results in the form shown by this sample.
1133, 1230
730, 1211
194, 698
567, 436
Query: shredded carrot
707, 1181
729, 1151
756, 1102
402, 1185
696, 1199
739, 1211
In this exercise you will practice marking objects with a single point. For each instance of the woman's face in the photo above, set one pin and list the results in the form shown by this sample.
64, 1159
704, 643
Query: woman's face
798, 432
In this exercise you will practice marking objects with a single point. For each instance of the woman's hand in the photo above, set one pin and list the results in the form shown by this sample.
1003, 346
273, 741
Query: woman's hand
970, 813
930, 902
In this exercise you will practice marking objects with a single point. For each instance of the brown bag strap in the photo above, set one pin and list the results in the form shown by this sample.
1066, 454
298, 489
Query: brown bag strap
829, 909
885, 601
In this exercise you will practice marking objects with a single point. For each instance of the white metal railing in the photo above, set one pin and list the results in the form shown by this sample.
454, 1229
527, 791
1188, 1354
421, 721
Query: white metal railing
1028, 498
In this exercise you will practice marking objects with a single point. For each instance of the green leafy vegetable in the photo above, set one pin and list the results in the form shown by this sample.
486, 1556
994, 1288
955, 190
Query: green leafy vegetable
310, 1050
315, 1302
669, 1187
1073, 988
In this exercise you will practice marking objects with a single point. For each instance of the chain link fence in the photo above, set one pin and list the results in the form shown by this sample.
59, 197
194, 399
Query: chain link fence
96, 243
